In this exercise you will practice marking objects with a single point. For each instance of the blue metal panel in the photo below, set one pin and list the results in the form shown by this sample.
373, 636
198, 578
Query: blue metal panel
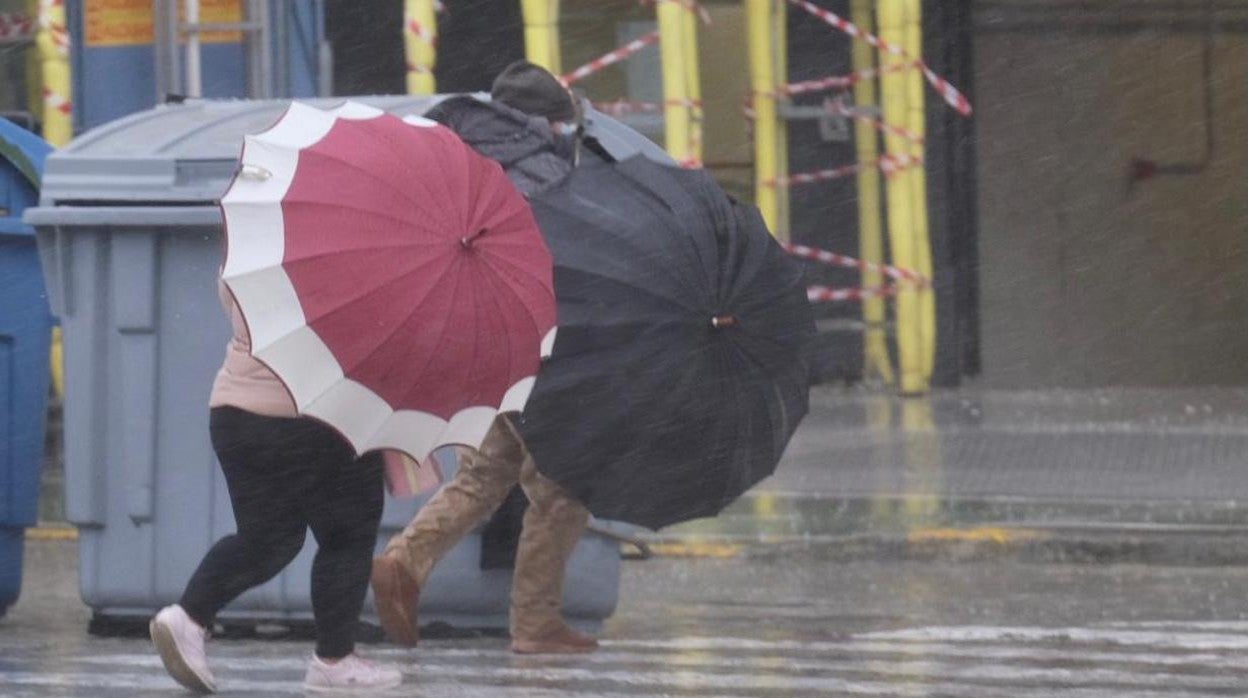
307, 31
224, 70
111, 82
114, 81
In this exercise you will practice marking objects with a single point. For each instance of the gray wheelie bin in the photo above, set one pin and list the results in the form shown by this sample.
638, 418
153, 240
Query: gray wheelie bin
130, 239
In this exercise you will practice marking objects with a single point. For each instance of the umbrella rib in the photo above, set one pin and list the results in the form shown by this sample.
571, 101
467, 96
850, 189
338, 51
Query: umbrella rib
350, 251
399, 325
441, 331
649, 195
408, 223
471, 291
491, 260
406, 273
371, 176
627, 242
682, 231
366, 292
638, 290
762, 301
537, 333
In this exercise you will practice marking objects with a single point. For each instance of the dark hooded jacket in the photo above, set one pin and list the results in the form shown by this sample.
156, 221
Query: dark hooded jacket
533, 157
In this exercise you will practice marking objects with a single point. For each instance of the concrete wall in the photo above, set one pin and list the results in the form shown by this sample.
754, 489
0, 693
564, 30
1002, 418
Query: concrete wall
1085, 281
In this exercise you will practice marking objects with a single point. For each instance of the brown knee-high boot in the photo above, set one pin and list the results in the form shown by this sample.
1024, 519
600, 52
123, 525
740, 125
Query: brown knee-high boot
482, 481
553, 524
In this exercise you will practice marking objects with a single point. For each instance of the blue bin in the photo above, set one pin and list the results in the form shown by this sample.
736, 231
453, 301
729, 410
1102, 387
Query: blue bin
25, 334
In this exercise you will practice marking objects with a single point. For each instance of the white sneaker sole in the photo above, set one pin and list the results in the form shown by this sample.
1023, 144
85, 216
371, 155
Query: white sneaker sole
174, 662
353, 690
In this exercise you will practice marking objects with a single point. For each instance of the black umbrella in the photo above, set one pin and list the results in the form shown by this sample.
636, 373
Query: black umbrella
677, 375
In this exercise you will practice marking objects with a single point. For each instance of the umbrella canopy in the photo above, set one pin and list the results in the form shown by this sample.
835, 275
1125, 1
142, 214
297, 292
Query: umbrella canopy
678, 375
390, 276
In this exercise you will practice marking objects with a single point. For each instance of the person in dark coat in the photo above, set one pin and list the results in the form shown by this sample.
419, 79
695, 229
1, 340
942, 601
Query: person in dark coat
530, 127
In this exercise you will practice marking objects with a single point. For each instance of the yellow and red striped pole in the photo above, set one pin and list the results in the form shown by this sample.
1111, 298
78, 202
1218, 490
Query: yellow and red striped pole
420, 40
52, 41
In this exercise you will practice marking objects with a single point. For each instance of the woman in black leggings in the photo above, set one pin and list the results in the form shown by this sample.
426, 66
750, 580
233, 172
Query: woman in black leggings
286, 474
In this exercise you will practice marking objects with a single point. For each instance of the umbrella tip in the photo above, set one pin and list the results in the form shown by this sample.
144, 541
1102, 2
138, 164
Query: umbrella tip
467, 241
719, 321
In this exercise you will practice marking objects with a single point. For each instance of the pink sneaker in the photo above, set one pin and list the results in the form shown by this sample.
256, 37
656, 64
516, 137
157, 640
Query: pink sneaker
180, 642
350, 674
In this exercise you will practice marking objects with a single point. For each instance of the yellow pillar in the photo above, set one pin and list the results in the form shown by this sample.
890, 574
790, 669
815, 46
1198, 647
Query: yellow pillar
34, 70
56, 113
765, 28
780, 29
693, 83
870, 224
420, 31
541, 33
677, 116
903, 230
916, 92
52, 41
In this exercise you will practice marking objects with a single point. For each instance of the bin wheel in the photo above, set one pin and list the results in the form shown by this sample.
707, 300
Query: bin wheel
102, 625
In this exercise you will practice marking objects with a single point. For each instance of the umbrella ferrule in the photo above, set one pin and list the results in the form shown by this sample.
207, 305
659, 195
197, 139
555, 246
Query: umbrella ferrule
719, 321
467, 241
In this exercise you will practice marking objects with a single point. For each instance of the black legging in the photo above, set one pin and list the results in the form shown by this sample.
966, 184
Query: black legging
285, 476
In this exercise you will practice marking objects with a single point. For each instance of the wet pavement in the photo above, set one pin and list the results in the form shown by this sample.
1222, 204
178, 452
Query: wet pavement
866, 461
779, 622
1121, 444
875, 562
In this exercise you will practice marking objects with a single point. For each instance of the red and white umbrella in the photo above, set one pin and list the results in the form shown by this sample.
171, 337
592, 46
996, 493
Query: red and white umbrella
391, 277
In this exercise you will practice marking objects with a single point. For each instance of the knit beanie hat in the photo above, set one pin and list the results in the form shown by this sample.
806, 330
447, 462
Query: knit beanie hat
534, 90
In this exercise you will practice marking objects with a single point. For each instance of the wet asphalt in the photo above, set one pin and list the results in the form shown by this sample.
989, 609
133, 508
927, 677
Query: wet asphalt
763, 622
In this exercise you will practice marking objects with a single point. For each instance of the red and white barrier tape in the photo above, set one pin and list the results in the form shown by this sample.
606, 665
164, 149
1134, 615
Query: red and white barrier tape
611, 58
829, 294
621, 107
948, 92
816, 176
839, 107
893, 163
841, 81
889, 164
16, 27
847, 262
